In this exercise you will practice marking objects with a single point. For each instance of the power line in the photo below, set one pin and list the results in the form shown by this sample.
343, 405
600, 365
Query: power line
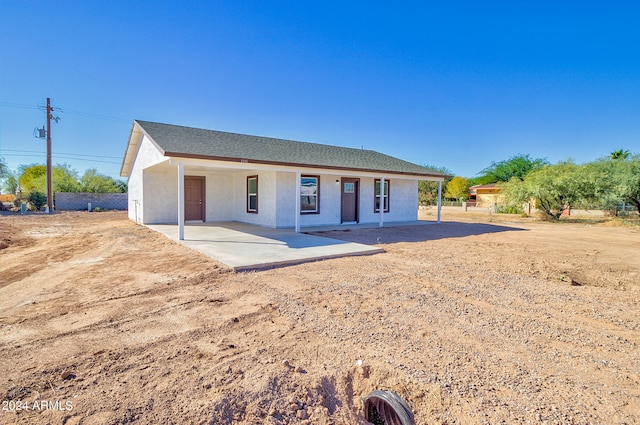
86, 160
97, 116
62, 153
23, 155
61, 157
66, 111
81, 154
18, 105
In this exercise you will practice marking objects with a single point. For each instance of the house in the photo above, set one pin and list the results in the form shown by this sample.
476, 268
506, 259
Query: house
181, 174
485, 195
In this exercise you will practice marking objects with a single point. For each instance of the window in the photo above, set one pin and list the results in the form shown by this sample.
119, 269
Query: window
252, 194
309, 194
385, 196
349, 187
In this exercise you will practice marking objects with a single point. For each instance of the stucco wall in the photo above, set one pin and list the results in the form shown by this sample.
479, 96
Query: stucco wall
485, 200
329, 195
146, 156
285, 199
267, 196
220, 197
226, 193
160, 195
403, 201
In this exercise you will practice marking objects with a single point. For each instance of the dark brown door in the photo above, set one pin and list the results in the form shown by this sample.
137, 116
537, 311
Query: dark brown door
350, 190
194, 198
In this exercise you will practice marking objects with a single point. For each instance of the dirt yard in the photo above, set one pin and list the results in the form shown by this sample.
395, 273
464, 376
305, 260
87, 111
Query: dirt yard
478, 320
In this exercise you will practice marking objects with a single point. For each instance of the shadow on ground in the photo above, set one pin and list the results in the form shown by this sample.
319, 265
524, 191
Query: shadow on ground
387, 235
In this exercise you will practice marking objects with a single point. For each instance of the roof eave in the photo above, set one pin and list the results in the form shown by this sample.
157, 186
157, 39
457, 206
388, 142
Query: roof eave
135, 138
175, 155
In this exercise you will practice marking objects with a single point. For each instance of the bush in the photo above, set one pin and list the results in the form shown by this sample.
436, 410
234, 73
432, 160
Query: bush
510, 209
37, 199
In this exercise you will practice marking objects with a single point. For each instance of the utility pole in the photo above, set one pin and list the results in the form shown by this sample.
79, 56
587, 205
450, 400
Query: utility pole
41, 133
49, 173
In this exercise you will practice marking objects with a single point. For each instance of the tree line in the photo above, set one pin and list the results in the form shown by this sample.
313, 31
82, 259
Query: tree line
603, 184
32, 178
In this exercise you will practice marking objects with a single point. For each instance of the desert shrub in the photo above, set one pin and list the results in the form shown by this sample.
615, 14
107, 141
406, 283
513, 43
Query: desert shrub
37, 199
510, 209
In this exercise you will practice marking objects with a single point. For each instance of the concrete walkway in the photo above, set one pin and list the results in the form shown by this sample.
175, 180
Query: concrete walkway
247, 247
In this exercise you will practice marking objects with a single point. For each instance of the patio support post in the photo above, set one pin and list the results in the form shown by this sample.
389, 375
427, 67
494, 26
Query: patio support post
381, 222
298, 188
439, 199
180, 201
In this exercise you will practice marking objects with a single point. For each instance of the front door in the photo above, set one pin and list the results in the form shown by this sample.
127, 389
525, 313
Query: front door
350, 189
194, 198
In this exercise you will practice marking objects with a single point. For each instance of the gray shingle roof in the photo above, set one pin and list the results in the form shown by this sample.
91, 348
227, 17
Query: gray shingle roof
178, 141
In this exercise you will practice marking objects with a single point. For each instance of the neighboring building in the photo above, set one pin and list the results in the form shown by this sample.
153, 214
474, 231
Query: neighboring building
179, 174
485, 195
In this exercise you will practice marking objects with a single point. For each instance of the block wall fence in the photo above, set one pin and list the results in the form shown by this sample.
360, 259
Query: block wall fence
68, 201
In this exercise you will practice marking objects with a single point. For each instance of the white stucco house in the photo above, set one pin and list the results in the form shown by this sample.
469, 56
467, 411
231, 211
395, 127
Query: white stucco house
181, 174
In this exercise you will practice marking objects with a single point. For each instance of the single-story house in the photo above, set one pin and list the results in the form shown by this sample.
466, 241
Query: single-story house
181, 174
485, 195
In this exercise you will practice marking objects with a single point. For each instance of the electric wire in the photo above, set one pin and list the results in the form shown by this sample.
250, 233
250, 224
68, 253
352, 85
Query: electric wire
60, 153
65, 111
55, 156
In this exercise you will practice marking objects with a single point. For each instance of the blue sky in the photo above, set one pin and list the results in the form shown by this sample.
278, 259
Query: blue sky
452, 84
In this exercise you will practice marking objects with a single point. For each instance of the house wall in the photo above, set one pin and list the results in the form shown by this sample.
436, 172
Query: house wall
161, 187
485, 200
267, 197
220, 196
403, 201
146, 156
329, 193
285, 199
160, 195
226, 193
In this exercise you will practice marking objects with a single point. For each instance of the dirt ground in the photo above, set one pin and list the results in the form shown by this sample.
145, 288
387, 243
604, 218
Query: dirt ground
478, 320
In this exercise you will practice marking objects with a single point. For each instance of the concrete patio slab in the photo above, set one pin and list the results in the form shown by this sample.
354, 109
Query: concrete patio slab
247, 247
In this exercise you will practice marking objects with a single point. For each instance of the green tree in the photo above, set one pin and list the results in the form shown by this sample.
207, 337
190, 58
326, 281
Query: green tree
34, 178
624, 174
122, 186
30, 177
428, 190
457, 188
612, 181
65, 179
10, 182
4, 168
8, 179
517, 166
620, 154
553, 188
92, 181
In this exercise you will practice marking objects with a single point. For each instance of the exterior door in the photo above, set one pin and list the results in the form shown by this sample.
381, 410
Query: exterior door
350, 190
194, 198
